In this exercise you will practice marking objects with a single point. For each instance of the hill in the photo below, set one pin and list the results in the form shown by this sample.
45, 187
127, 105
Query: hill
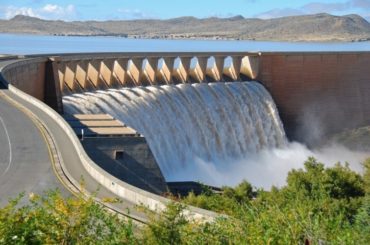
318, 27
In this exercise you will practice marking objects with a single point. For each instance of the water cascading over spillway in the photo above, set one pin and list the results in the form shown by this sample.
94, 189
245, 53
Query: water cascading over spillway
185, 123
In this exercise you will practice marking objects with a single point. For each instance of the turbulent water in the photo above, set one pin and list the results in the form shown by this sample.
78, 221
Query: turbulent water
187, 123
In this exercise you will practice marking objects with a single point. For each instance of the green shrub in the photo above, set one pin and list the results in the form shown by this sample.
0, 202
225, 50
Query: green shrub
318, 205
52, 219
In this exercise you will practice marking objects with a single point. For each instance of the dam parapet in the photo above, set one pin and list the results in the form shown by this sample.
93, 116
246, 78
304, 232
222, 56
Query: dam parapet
80, 74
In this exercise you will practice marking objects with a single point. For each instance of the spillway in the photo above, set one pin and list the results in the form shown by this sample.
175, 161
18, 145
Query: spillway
215, 122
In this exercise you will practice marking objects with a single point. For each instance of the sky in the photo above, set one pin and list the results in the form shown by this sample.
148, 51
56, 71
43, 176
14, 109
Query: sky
70, 10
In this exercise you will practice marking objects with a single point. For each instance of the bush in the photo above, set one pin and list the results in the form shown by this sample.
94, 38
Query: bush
52, 219
317, 206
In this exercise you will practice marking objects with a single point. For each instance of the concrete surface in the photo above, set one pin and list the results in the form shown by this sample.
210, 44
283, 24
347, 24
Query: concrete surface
88, 117
318, 94
136, 165
92, 125
98, 124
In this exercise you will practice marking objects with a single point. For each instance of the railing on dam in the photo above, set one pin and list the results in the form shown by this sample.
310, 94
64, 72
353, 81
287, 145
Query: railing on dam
81, 73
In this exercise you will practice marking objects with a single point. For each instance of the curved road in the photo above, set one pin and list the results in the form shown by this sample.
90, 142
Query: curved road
25, 163
24, 157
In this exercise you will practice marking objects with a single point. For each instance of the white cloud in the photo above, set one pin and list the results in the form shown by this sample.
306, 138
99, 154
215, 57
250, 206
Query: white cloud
56, 9
48, 11
356, 6
50, 8
276, 13
315, 7
133, 14
12, 11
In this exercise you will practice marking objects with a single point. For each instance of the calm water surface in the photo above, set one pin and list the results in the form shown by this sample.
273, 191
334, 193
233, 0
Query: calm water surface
32, 44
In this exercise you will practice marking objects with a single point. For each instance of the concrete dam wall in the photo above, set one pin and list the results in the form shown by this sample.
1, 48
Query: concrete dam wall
316, 93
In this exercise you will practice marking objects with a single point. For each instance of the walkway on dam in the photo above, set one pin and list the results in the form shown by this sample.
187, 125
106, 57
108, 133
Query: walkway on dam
25, 163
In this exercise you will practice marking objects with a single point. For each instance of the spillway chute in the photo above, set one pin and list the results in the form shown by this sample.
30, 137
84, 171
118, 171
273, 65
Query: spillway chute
214, 122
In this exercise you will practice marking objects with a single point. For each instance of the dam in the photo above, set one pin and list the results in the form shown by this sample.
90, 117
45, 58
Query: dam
164, 97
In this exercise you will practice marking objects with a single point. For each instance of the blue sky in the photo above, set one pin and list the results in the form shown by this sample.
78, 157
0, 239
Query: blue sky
164, 9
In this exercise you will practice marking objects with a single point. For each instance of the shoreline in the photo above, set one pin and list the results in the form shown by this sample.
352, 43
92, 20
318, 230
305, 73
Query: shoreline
193, 38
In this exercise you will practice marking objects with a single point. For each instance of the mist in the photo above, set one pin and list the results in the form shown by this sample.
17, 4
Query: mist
267, 168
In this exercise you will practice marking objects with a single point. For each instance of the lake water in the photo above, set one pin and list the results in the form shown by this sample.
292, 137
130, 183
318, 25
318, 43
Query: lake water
33, 44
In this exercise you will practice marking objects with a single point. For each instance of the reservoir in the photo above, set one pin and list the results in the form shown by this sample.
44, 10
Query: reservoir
37, 44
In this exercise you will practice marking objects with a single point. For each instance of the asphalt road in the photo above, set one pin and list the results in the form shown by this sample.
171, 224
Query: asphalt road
24, 157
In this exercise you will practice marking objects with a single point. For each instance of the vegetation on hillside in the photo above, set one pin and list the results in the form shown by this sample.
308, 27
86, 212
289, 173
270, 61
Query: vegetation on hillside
318, 205
316, 27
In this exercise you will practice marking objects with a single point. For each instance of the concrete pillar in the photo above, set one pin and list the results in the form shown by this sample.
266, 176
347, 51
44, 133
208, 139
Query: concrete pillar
133, 71
181, 72
250, 67
202, 64
232, 71
93, 75
212, 71
81, 76
149, 68
237, 63
169, 63
164, 71
52, 90
70, 77
106, 72
60, 73
119, 73
196, 72
220, 63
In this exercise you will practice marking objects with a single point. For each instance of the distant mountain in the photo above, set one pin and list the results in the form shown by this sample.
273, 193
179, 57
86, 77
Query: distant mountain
318, 27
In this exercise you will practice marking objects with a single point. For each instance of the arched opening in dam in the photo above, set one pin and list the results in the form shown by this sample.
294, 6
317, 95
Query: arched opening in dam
216, 133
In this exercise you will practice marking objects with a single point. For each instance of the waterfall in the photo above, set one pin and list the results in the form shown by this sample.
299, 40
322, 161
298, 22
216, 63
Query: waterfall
215, 122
